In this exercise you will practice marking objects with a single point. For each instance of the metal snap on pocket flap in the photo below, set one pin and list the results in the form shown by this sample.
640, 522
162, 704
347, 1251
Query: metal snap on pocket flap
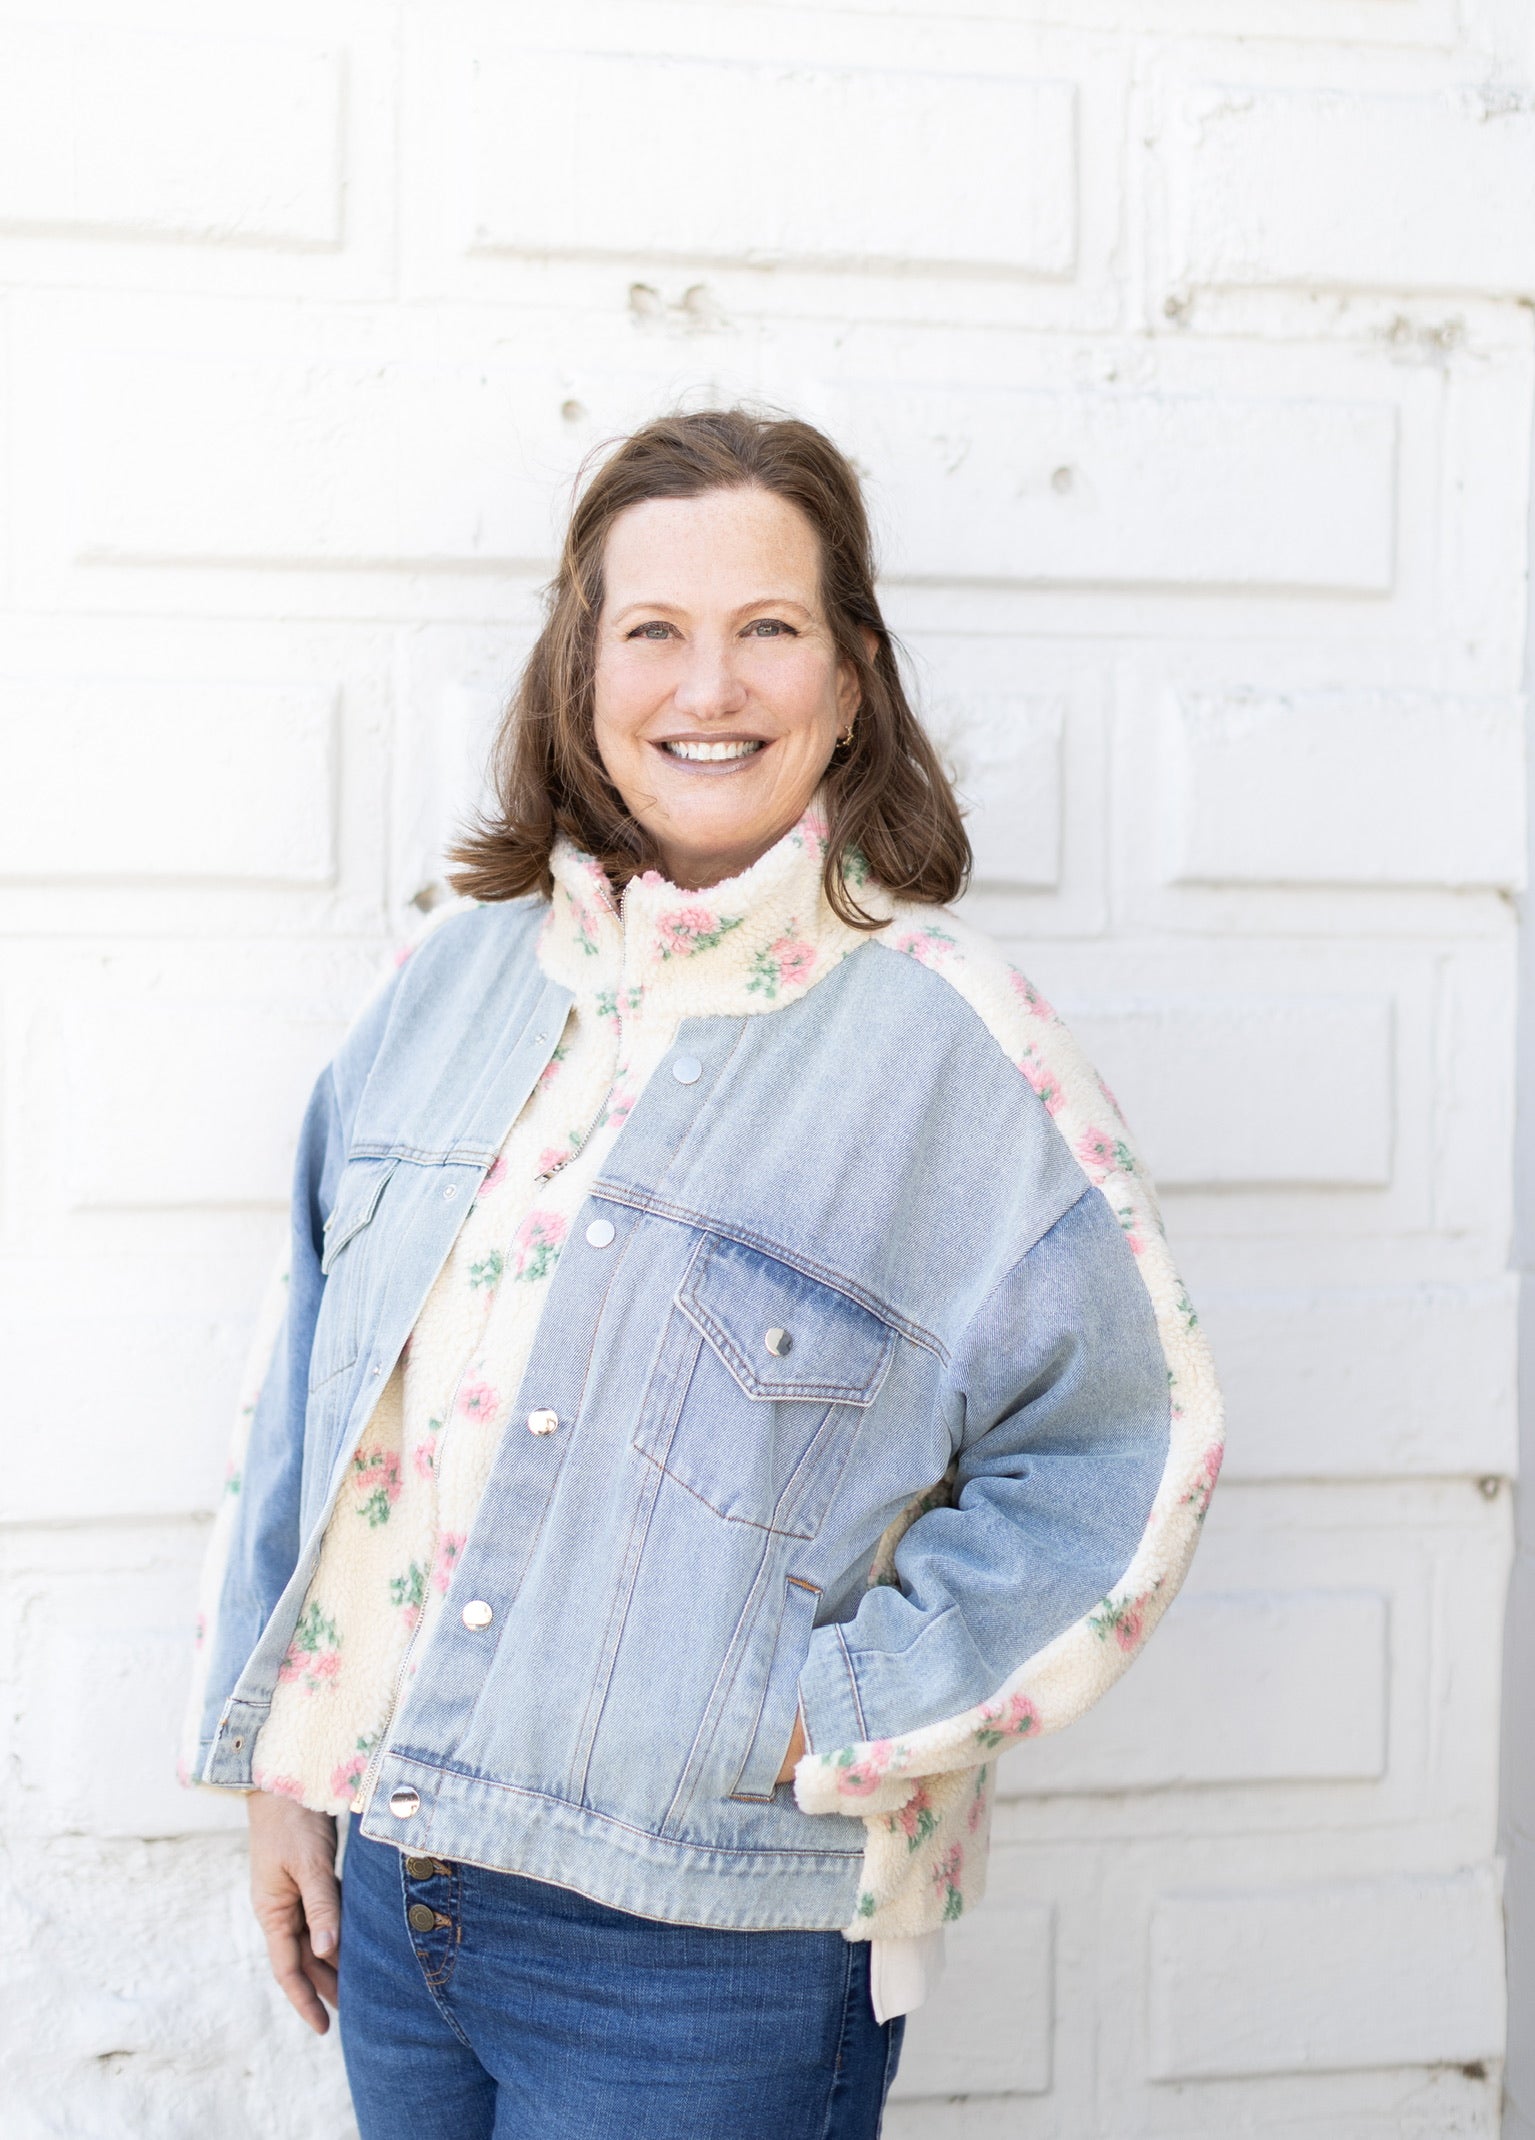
357, 1194
784, 1336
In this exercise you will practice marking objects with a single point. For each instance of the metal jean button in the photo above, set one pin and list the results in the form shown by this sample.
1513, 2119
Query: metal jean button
543, 1421
687, 1069
477, 1616
404, 1802
600, 1233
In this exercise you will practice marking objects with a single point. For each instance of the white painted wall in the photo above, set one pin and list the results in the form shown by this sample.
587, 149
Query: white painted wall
1187, 345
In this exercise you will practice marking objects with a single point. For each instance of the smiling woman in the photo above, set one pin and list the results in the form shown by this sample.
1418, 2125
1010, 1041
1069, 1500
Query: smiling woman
715, 606
734, 1382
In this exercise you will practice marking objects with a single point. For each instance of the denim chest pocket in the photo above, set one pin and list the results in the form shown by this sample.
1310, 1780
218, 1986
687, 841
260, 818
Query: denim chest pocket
762, 1383
338, 1330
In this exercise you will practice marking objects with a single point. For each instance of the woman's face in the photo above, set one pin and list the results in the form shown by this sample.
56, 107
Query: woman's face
719, 694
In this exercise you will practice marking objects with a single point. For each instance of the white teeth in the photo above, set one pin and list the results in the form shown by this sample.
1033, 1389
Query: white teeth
701, 752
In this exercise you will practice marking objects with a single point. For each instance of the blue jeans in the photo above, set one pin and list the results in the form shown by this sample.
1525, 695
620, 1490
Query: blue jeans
482, 2006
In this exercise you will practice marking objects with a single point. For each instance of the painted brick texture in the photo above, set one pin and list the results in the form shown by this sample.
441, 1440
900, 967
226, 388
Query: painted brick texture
1188, 350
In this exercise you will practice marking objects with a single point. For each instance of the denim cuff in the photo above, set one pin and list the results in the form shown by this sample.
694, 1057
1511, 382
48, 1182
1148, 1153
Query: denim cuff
828, 1694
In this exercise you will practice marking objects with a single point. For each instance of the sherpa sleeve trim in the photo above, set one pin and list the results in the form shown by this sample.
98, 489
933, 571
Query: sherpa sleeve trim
880, 1772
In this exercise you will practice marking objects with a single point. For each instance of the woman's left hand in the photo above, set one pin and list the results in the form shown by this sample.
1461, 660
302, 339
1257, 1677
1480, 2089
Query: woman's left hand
796, 1748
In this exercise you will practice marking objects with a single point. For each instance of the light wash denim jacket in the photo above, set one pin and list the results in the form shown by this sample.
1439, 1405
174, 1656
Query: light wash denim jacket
912, 1172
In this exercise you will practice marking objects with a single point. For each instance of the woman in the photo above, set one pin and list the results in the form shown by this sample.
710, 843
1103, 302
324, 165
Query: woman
732, 1381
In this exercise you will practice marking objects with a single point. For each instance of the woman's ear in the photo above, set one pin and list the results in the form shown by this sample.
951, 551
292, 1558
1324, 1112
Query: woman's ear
849, 696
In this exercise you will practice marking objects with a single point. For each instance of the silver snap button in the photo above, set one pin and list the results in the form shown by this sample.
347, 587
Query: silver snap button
543, 1421
450, 1192
687, 1069
477, 1616
778, 1342
404, 1803
600, 1233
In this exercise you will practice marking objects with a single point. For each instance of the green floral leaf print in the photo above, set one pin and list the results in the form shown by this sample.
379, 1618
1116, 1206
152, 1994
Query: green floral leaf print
916, 1820
1004, 1723
315, 1631
409, 1590
780, 965
376, 1475
855, 868
536, 1246
314, 1654
487, 1272
866, 1904
1123, 1618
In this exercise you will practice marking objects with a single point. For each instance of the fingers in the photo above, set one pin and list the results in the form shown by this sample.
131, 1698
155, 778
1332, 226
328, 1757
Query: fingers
288, 1952
321, 1898
297, 1903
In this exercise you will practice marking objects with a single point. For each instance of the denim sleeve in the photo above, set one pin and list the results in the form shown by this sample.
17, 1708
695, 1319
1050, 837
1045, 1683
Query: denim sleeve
1064, 1387
255, 1542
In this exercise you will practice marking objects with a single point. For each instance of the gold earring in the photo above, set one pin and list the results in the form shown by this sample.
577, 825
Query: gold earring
844, 741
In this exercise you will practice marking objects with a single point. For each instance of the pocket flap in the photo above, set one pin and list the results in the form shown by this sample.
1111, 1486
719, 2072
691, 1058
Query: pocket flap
824, 1346
357, 1194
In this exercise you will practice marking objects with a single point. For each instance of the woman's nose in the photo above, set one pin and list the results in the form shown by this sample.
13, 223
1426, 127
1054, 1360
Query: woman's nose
709, 687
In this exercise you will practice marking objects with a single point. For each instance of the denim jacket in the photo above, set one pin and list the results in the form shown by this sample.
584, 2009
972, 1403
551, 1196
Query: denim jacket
880, 1401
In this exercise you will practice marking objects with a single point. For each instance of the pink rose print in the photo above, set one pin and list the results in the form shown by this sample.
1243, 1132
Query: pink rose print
813, 826
346, 1778
477, 1400
1123, 1618
376, 1478
1102, 1154
1198, 1495
450, 1547
551, 1069
494, 1179
929, 947
314, 1654
859, 1778
536, 1246
200, 1633
277, 1786
555, 1156
946, 1877
687, 930
1003, 1723
424, 1457
916, 1820
1028, 994
785, 964
976, 1815
1042, 1081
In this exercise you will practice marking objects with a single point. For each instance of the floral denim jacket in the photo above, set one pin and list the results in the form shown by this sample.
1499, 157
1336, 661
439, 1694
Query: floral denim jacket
870, 1223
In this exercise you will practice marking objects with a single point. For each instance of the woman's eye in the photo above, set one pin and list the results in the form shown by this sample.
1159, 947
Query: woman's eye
655, 629
769, 628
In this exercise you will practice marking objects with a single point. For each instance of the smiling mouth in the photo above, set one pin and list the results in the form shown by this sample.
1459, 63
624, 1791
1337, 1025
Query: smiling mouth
700, 753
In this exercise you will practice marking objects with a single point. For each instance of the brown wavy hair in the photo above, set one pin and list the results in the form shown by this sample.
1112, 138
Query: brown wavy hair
887, 795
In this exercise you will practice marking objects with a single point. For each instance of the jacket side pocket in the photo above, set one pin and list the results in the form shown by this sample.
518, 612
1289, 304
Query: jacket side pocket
774, 1723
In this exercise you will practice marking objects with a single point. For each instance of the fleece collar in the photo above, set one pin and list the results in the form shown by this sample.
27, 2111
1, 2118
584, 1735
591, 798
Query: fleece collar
751, 943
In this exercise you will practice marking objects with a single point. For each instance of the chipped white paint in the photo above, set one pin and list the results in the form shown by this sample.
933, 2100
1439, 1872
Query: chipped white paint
1187, 348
